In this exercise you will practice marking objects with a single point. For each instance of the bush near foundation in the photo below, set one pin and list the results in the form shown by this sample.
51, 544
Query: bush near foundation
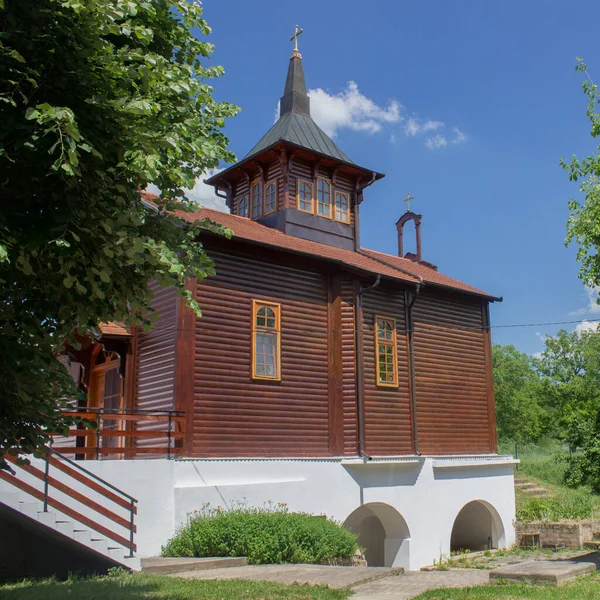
265, 535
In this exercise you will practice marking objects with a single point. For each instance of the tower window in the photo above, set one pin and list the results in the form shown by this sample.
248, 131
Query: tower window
257, 200
270, 197
342, 204
386, 352
305, 196
243, 206
266, 345
324, 198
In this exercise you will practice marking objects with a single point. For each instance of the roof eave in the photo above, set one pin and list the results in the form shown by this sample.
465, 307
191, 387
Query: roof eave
214, 180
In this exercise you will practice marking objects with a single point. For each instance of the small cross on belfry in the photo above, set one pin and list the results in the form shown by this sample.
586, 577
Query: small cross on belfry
294, 38
407, 200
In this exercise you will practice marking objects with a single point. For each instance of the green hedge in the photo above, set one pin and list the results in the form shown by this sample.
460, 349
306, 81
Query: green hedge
265, 535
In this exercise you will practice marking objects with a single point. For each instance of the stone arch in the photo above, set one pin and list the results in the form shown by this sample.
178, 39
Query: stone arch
383, 532
477, 526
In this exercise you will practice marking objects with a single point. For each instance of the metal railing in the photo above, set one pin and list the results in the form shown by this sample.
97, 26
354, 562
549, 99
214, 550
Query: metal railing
124, 433
91, 481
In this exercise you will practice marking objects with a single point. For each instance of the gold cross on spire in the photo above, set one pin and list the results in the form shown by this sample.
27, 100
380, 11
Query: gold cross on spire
294, 38
407, 200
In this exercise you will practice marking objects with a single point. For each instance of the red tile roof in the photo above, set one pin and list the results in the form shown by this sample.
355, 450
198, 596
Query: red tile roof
392, 267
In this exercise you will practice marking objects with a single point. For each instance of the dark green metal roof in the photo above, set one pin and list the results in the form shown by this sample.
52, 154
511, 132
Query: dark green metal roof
300, 130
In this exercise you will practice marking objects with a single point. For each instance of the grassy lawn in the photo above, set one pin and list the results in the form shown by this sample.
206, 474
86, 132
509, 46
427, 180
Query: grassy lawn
584, 588
154, 587
543, 465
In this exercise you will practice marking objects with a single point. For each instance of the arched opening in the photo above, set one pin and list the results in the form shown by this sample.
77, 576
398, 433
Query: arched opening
477, 527
383, 533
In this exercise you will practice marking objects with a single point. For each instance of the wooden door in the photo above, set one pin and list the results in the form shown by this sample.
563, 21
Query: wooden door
106, 393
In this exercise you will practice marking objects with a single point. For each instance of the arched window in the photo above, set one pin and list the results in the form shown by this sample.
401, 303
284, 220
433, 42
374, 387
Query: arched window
257, 200
266, 345
243, 206
386, 352
270, 197
342, 207
324, 198
305, 196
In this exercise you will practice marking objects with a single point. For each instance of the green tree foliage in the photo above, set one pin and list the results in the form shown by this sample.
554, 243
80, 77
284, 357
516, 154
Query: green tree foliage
516, 383
570, 366
98, 98
582, 226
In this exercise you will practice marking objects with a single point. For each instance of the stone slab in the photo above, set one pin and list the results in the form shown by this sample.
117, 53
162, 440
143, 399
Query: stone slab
334, 577
166, 566
552, 572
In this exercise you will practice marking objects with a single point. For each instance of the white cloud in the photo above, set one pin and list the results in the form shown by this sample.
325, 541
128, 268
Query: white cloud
586, 326
413, 126
351, 109
202, 193
437, 141
592, 307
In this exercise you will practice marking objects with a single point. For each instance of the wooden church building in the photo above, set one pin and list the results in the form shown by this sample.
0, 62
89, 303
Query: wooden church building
333, 378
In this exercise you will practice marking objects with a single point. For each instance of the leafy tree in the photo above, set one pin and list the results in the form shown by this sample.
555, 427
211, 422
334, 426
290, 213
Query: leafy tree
582, 226
519, 415
570, 366
98, 98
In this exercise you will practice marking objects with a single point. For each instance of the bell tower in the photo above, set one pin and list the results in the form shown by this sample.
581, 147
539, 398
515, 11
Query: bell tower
296, 179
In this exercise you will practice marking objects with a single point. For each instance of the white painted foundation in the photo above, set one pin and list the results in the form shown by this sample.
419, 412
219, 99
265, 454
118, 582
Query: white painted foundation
416, 499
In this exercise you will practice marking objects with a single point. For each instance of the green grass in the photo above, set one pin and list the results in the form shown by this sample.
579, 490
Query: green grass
154, 587
543, 464
584, 588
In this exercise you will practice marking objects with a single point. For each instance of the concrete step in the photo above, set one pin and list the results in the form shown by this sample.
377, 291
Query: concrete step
10, 498
99, 545
164, 566
30, 509
83, 536
47, 518
538, 491
116, 552
64, 527
134, 563
524, 485
593, 544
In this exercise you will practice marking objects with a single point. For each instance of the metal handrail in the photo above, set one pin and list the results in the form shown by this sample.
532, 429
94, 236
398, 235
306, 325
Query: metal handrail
132, 501
98, 412
89, 473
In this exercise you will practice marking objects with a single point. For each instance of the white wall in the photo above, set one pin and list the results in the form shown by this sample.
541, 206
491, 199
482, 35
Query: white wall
428, 493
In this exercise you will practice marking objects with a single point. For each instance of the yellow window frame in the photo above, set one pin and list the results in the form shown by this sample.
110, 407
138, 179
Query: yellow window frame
393, 344
331, 199
239, 202
276, 308
346, 212
299, 182
262, 199
272, 182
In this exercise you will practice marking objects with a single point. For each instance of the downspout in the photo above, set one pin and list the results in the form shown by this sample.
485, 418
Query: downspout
359, 371
411, 361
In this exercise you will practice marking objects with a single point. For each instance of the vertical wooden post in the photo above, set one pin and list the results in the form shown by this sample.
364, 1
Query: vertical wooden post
335, 367
184, 366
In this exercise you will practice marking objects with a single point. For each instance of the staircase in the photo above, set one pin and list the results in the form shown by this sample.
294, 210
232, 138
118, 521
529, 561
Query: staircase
61, 495
529, 488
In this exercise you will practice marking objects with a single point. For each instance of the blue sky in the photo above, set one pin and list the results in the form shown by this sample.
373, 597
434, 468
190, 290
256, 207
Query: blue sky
469, 105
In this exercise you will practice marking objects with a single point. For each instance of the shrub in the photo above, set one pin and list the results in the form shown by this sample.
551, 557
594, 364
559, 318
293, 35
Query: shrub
265, 535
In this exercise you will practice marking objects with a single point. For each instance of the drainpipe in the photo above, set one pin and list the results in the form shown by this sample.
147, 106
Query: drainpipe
359, 371
411, 360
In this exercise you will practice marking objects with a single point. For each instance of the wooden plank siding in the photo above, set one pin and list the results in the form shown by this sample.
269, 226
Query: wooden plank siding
452, 379
155, 364
388, 418
234, 415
